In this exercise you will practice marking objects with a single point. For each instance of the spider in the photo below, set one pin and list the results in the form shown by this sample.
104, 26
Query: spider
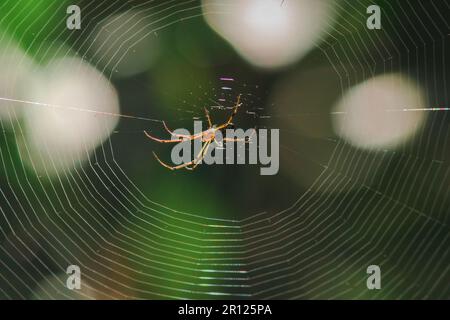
207, 137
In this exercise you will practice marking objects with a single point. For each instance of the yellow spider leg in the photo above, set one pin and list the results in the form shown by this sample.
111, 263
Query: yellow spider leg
240, 139
199, 157
162, 140
202, 155
235, 110
170, 167
209, 118
186, 136
180, 139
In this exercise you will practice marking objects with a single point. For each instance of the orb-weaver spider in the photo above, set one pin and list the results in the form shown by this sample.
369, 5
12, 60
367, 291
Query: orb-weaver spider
207, 137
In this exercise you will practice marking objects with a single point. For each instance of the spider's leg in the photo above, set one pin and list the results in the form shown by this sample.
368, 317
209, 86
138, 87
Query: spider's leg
179, 139
163, 140
234, 140
240, 139
200, 156
173, 167
235, 110
209, 118
186, 165
185, 136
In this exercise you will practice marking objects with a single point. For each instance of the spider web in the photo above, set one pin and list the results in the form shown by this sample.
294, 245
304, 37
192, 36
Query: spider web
393, 211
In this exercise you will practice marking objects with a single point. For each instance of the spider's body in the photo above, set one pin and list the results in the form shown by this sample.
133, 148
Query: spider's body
206, 137
209, 134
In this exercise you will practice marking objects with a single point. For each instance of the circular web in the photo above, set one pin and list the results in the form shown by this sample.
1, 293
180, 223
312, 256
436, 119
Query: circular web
136, 230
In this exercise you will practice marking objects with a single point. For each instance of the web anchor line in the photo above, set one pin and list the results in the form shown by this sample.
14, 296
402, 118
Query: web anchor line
104, 113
